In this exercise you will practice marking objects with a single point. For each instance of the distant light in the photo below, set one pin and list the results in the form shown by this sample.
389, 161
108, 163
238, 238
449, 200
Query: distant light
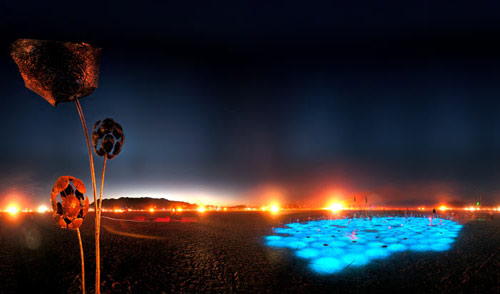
336, 207
443, 208
173, 209
151, 209
12, 210
118, 210
275, 208
225, 208
42, 209
179, 209
263, 208
201, 209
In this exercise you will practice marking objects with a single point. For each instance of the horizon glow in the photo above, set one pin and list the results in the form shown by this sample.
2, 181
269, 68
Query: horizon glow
334, 245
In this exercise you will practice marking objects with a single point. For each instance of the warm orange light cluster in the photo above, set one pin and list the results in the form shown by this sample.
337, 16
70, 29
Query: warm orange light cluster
443, 208
12, 210
42, 209
336, 206
274, 208
201, 209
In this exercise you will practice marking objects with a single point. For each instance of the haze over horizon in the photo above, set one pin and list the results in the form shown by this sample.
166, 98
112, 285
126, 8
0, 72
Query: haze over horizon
257, 104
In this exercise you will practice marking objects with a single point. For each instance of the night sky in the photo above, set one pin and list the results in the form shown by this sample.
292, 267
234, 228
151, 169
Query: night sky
242, 102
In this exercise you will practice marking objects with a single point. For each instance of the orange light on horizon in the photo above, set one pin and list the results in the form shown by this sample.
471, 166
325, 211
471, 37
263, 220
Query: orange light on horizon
179, 209
12, 210
201, 209
225, 208
117, 210
336, 207
42, 209
151, 209
443, 208
274, 208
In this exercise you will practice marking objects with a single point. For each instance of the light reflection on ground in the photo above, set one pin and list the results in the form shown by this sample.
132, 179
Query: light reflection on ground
333, 245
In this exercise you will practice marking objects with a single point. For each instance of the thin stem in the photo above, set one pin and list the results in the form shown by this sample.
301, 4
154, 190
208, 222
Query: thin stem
102, 185
92, 173
83, 262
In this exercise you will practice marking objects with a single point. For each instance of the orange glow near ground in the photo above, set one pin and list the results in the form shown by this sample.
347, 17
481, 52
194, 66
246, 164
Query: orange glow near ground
201, 209
336, 207
42, 209
151, 209
442, 208
274, 208
12, 210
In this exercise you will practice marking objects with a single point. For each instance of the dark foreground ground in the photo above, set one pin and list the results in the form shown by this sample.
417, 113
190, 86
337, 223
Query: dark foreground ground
224, 252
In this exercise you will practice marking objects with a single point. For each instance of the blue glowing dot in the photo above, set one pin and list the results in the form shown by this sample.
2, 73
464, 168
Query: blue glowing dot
390, 240
296, 244
338, 244
354, 259
308, 253
377, 252
276, 243
396, 247
420, 247
327, 265
273, 238
440, 247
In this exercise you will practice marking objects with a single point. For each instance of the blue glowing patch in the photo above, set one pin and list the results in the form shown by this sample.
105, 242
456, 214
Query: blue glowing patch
333, 245
327, 265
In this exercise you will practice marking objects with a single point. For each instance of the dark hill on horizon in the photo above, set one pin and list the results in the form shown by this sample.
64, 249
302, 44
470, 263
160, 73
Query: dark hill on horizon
144, 203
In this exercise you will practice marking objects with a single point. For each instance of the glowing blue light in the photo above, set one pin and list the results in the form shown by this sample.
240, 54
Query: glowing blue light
327, 265
308, 253
333, 245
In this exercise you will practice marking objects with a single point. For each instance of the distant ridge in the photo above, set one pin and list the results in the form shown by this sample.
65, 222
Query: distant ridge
144, 203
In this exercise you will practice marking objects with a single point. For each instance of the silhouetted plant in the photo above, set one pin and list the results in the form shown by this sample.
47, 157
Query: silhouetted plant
70, 212
107, 139
63, 72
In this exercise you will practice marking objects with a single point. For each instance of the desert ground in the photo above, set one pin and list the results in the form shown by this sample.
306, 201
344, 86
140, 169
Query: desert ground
225, 252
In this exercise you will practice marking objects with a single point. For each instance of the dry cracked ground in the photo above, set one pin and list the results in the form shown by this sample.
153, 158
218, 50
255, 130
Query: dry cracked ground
225, 253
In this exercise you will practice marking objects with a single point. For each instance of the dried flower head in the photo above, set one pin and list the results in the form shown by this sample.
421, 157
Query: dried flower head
57, 71
75, 205
110, 135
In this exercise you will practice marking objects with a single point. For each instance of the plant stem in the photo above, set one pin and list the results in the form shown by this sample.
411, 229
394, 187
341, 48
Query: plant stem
83, 262
102, 185
92, 173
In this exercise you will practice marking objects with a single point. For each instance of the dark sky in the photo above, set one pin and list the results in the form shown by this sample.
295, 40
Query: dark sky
246, 102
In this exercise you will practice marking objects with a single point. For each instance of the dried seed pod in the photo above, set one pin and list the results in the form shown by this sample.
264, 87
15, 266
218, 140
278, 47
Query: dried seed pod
75, 205
107, 138
57, 71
